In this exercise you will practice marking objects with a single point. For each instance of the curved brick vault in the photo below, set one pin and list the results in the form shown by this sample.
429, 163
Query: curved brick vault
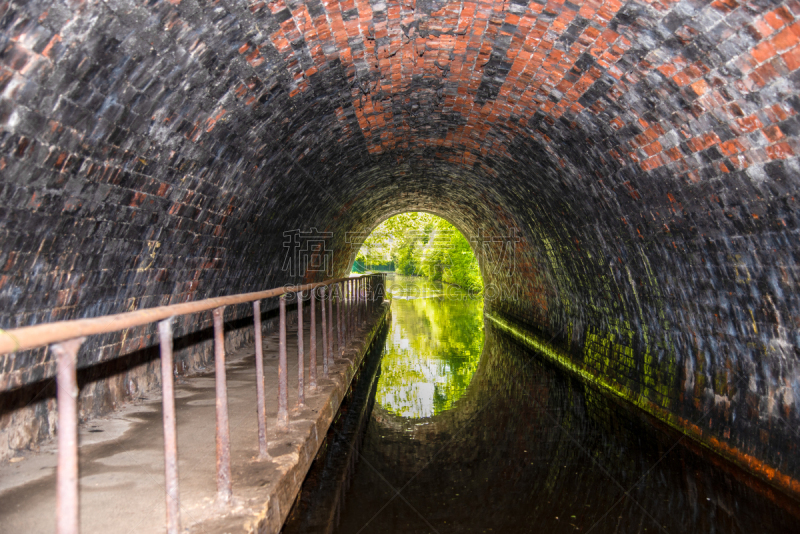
641, 155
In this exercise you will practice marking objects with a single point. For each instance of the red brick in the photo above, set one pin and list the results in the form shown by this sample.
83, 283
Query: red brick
760, 29
667, 70
780, 151
650, 164
778, 18
767, 72
731, 147
785, 40
674, 153
792, 58
749, 124
763, 52
652, 149
776, 113
681, 79
700, 87
725, 6
773, 133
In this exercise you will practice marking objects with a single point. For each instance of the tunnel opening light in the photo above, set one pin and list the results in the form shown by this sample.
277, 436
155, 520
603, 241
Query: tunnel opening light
436, 338
424, 245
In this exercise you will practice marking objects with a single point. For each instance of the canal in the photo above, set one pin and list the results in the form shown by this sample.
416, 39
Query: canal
456, 428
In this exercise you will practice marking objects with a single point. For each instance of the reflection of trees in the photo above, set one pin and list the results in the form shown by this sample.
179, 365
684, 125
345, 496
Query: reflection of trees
432, 351
529, 449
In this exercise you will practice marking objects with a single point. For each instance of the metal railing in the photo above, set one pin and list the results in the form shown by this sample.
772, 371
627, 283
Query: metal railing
355, 297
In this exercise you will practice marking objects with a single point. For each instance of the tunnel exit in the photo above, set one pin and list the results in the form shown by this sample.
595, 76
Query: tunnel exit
436, 335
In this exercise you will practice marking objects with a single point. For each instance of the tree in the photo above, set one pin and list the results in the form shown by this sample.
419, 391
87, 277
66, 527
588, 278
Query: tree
422, 244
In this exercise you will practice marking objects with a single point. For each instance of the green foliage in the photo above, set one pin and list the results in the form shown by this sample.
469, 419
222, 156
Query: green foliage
421, 244
363, 264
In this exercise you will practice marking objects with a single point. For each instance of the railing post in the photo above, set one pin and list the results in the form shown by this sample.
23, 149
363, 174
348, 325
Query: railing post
312, 358
343, 313
349, 321
67, 501
224, 491
301, 395
261, 408
330, 324
351, 308
322, 303
283, 370
170, 428
339, 318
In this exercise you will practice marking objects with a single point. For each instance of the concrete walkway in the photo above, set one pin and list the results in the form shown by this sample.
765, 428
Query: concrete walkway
122, 462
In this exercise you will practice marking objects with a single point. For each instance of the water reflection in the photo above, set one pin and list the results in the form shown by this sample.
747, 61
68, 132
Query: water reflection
526, 448
433, 348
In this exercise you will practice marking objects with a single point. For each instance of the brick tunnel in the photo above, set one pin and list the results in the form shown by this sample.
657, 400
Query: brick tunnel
626, 172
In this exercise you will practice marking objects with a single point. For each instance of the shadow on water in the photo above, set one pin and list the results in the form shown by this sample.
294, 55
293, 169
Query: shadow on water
518, 446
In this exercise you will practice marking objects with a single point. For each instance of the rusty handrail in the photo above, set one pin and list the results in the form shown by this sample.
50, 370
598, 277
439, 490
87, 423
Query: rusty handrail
40, 335
66, 337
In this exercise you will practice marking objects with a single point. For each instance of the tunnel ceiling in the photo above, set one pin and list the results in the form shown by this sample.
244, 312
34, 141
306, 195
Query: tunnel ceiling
638, 156
183, 129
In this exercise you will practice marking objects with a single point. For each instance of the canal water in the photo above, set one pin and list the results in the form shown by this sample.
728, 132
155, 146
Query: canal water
456, 428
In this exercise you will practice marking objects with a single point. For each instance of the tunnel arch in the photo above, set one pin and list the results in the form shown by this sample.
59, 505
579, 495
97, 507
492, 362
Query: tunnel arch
643, 151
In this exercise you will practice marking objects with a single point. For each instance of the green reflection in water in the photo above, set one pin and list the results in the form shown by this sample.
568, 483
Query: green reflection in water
433, 347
